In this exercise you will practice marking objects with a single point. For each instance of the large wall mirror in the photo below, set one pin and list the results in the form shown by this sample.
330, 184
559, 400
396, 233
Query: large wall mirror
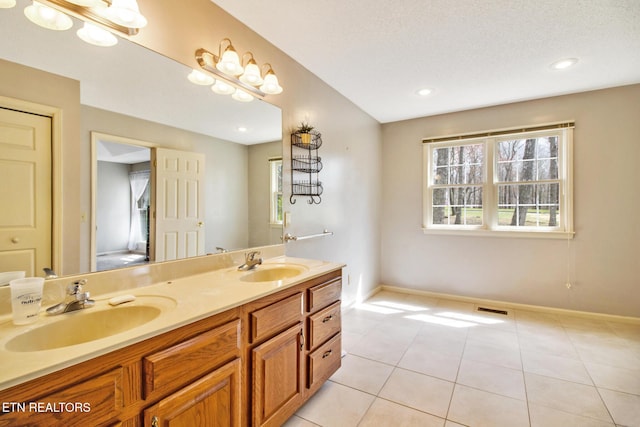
128, 101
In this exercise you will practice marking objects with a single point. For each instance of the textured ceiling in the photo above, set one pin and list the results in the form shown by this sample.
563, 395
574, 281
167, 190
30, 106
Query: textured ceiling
471, 53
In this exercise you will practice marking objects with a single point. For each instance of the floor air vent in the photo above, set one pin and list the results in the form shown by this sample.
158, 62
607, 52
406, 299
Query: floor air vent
493, 310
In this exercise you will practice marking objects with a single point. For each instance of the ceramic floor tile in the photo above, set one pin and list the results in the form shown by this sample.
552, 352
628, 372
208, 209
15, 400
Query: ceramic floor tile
497, 337
490, 353
421, 392
555, 345
296, 421
384, 413
612, 378
620, 356
452, 424
335, 405
624, 407
483, 409
542, 416
492, 378
584, 323
381, 346
630, 331
566, 396
421, 358
455, 306
353, 322
349, 339
362, 374
556, 367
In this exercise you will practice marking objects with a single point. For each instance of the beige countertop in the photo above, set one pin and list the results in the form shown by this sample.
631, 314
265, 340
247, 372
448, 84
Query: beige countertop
182, 301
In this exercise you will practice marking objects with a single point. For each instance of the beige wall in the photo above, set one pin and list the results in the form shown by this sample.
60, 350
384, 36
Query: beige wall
28, 84
351, 151
603, 260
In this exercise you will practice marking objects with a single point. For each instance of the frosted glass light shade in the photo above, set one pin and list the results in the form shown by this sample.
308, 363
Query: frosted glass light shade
96, 36
47, 17
200, 78
7, 4
221, 88
251, 75
126, 13
230, 63
242, 96
270, 84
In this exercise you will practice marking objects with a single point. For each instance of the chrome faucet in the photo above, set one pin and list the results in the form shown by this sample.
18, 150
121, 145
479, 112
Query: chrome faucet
250, 261
76, 299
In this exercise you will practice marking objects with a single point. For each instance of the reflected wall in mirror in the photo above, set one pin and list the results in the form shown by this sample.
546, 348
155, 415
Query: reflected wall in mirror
133, 93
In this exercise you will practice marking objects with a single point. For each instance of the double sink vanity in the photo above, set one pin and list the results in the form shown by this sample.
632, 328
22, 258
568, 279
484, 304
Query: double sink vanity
196, 342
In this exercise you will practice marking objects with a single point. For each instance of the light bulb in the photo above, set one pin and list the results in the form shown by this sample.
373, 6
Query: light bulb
251, 75
47, 17
221, 88
270, 84
230, 63
96, 36
242, 96
126, 13
200, 78
7, 4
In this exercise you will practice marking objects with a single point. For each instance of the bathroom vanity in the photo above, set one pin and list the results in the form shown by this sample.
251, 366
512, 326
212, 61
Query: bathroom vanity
260, 351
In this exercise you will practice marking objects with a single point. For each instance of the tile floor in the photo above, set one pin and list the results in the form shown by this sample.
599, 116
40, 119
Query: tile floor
419, 361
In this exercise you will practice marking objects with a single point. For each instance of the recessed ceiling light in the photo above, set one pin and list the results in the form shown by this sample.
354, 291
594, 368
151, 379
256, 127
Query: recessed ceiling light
564, 63
242, 129
425, 92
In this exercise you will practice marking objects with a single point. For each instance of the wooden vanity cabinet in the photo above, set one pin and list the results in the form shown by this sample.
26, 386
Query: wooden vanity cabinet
293, 347
253, 365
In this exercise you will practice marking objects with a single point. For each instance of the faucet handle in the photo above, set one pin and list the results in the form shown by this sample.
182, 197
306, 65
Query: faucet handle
250, 256
76, 287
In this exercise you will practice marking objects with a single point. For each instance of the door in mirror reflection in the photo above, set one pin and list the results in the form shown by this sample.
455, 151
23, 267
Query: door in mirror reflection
25, 167
178, 219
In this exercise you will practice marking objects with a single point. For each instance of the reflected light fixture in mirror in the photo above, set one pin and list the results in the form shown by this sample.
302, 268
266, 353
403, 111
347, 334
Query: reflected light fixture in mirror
7, 4
100, 18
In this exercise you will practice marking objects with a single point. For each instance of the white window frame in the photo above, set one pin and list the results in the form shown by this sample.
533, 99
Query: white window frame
273, 191
490, 226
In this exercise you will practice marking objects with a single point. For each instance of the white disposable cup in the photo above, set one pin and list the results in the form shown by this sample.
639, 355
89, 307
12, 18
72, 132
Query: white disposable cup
26, 298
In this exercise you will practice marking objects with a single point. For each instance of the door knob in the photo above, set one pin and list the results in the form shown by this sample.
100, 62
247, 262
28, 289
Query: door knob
15, 240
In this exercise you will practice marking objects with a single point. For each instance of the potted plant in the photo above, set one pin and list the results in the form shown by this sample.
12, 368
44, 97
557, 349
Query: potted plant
304, 130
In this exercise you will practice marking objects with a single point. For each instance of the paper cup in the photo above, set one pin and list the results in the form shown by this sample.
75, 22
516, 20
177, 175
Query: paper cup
26, 298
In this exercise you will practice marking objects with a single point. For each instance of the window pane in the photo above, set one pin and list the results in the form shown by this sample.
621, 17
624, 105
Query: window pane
462, 164
457, 206
529, 159
528, 205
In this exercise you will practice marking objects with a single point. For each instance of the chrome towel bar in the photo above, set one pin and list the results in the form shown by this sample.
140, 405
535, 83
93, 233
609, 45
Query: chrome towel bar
288, 237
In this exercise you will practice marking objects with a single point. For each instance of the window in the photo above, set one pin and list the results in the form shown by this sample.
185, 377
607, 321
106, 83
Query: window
501, 183
275, 172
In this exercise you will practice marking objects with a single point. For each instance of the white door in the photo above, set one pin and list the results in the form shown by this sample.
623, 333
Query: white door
179, 207
25, 171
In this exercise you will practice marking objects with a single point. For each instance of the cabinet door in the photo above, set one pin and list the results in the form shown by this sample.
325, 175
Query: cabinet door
212, 401
277, 377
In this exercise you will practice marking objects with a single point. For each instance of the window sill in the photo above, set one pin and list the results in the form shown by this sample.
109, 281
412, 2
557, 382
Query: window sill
557, 235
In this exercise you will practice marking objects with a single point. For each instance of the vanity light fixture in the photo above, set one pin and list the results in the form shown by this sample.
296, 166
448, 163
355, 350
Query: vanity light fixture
116, 16
244, 81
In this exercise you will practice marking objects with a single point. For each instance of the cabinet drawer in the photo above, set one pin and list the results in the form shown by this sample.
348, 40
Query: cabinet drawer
182, 363
276, 317
323, 362
91, 402
324, 324
324, 294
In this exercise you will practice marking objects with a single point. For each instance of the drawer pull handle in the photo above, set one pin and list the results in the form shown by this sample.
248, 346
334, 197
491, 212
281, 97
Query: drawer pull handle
155, 422
326, 354
301, 341
327, 319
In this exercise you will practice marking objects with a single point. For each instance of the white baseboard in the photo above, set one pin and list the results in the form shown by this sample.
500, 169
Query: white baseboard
505, 304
